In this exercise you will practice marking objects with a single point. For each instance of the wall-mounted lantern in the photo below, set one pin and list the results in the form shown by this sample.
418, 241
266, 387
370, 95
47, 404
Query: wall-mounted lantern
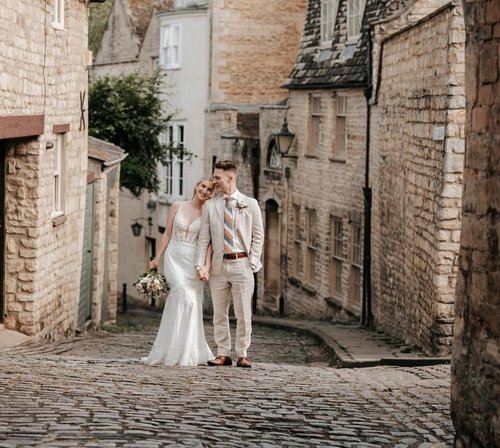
137, 227
284, 139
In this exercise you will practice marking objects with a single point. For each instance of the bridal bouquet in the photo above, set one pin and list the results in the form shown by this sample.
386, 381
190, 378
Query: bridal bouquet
151, 284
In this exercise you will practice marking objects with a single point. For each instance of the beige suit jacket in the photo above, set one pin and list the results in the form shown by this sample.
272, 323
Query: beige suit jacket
248, 225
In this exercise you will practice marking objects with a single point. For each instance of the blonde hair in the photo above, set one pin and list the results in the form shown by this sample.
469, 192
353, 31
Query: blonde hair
203, 179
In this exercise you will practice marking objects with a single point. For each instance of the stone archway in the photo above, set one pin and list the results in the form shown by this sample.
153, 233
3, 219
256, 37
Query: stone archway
475, 392
271, 257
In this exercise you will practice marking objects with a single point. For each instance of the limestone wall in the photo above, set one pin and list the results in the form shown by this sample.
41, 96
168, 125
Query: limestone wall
417, 179
43, 74
254, 45
475, 394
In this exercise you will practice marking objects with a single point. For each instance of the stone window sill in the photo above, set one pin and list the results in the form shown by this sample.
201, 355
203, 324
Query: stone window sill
335, 160
335, 302
295, 281
311, 156
309, 289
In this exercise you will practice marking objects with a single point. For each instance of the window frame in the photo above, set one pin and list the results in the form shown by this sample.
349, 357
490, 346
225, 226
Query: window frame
355, 279
59, 12
311, 247
165, 56
315, 116
174, 172
58, 176
336, 255
341, 117
354, 19
328, 18
297, 240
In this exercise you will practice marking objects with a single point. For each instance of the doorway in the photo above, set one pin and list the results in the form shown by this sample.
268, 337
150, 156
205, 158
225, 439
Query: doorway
85, 302
272, 256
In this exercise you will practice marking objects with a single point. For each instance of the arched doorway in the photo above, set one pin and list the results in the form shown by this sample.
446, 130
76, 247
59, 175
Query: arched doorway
271, 257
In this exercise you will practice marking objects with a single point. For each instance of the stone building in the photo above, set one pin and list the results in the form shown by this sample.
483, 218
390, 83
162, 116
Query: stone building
353, 163
475, 392
43, 161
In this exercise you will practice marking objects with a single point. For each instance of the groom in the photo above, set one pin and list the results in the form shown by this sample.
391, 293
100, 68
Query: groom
233, 223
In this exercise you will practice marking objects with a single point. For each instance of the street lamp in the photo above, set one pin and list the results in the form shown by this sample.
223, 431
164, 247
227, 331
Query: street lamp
284, 139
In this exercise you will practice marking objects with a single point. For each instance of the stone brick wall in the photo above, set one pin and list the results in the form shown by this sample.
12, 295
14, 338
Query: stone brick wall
254, 45
330, 186
417, 179
476, 353
43, 73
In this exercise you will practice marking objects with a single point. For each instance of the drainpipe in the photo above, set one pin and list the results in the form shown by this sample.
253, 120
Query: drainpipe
366, 312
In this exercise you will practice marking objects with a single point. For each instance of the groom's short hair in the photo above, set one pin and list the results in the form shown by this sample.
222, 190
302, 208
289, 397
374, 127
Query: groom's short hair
227, 165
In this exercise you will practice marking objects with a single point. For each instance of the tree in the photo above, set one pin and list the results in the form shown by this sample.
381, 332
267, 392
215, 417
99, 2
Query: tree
126, 111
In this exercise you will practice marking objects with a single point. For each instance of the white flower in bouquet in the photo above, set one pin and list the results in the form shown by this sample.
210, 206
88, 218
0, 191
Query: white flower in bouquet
151, 284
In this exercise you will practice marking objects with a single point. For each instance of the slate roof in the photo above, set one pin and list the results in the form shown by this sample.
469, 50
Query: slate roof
339, 65
106, 152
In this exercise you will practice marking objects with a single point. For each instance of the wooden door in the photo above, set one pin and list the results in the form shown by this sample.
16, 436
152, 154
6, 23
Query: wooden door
271, 253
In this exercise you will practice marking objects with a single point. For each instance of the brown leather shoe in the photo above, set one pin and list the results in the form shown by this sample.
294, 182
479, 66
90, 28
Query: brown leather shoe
221, 361
244, 362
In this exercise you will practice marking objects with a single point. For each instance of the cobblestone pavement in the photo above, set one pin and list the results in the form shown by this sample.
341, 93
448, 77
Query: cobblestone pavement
93, 391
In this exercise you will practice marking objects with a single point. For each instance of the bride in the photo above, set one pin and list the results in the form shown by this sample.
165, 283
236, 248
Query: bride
181, 337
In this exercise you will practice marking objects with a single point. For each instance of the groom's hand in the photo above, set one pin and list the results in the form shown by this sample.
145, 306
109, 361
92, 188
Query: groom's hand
202, 273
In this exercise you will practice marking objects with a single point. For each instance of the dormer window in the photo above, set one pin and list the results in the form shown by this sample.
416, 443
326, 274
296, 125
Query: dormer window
328, 15
355, 11
170, 56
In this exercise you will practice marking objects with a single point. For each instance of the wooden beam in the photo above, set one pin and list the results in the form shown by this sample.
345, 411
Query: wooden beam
16, 126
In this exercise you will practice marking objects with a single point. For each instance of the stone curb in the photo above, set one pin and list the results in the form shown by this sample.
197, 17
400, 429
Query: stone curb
342, 357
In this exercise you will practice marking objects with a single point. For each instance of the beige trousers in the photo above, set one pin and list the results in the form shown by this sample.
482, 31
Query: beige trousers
234, 281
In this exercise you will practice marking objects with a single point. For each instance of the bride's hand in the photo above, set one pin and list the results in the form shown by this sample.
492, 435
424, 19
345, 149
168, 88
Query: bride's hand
153, 264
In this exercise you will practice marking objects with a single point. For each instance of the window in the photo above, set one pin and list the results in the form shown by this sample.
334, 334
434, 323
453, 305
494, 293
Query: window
336, 256
174, 169
170, 46
355, 11
340, 145
57, 199
296, 242
356, 261
58, 14
311, 247
328, 16
314, 138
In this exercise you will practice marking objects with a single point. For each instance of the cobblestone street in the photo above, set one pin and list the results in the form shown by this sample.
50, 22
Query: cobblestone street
93, 391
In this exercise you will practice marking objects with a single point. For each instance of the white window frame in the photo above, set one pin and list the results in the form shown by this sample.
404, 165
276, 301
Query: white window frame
316, 113
174, 171
328, 18
336, 255
57, 194
341, 114
355, 12
170, 55
58, 21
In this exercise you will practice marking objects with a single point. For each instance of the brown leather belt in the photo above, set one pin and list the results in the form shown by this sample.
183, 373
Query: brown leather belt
235, 256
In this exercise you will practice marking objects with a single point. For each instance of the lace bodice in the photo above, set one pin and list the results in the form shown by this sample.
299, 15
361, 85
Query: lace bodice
185, 231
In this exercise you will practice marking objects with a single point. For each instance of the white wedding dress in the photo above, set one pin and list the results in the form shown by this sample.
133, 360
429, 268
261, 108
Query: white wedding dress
181, 337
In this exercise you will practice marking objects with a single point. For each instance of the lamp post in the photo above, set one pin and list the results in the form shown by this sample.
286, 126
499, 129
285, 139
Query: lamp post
284, 139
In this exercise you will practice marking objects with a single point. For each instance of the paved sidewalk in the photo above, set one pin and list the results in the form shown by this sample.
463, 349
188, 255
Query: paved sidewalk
9, 338
355, 346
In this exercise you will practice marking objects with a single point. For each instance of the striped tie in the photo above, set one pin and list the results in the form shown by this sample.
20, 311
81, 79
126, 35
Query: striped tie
228, 226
